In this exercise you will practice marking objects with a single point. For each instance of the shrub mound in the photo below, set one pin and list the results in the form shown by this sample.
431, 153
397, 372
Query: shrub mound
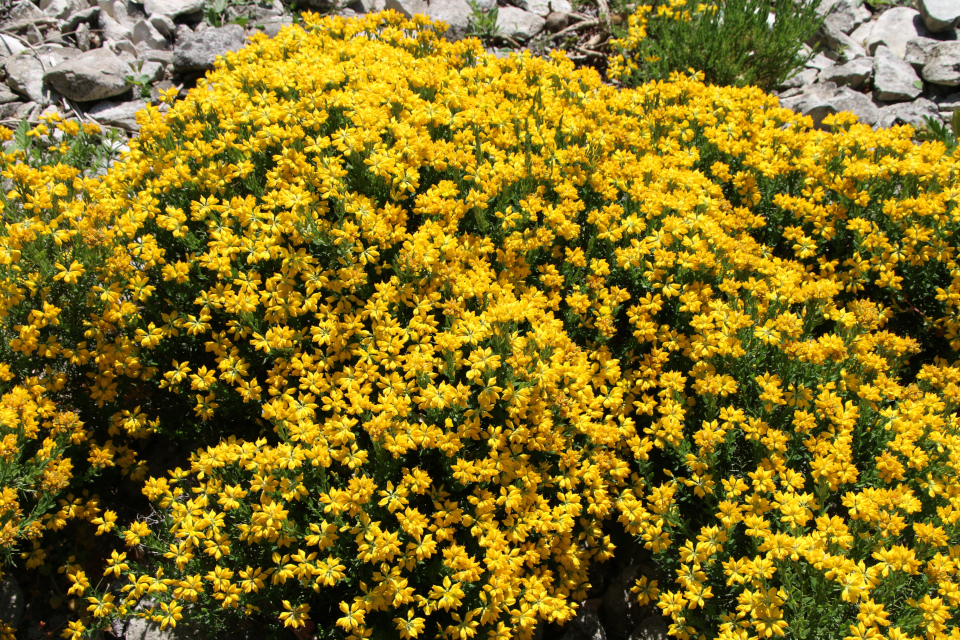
438, 324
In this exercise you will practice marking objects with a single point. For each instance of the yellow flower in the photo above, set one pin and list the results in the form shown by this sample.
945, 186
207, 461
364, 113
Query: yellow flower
295, 617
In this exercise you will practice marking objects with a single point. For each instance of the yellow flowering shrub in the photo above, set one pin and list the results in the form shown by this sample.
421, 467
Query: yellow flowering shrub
444, 323
37, 445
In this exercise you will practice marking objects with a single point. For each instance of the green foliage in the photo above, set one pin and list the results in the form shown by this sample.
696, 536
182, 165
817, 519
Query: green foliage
140, 80
935, 131
483, 24
732, 46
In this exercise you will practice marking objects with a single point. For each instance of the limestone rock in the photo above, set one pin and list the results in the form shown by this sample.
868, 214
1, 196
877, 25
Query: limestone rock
519, 24
835, 41
164, 24
948, 104
861, 33
61, 8
25, 10
912, 113
172, 8
10, 46
894, 80
943, 64
89, 16
820, 62
147, 36
853, 74
117, 114
25, 71
408, 8
803, 78
894, 29
917, 51
456, 13
93, 75
939, 15
199, 51
543, 8
847, 15
819, 101
113, 29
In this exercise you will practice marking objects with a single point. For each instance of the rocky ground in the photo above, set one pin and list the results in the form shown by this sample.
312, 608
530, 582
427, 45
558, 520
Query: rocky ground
103, 60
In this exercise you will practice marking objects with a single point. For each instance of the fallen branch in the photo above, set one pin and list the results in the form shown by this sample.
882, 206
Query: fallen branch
604, 11
576, 27
17, 25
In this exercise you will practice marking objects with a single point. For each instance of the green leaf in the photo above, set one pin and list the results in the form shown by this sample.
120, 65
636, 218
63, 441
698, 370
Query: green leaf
955, 123
20, 139
240, 21
219, 6
918, 84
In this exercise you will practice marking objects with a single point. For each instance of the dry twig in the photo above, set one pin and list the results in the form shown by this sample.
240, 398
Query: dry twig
576, 27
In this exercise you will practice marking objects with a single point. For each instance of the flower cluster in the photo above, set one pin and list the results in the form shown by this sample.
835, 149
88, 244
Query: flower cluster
446, 321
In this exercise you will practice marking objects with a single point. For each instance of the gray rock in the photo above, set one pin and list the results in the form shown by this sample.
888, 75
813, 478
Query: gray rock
819, 101
25, 10
894, 29
10, 46
543, 8
147, 36
367, 6
272, 27
801, 79
894, 80
113, 29
172, 8
163, 57
912, 113
125, 49
27, 110
939, 15
861, 33
943, 64
848, 49
847, 15
61, 8
164, 25
819, 62
456, 14
853, 74
93, 75
117, 114
917, 51
519, 24
408, 8
7, 96
83, 37
26, 69
152, 70
949, 104
89, 16
11, 601
199, 51
586, 626
140, 629
652, 628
